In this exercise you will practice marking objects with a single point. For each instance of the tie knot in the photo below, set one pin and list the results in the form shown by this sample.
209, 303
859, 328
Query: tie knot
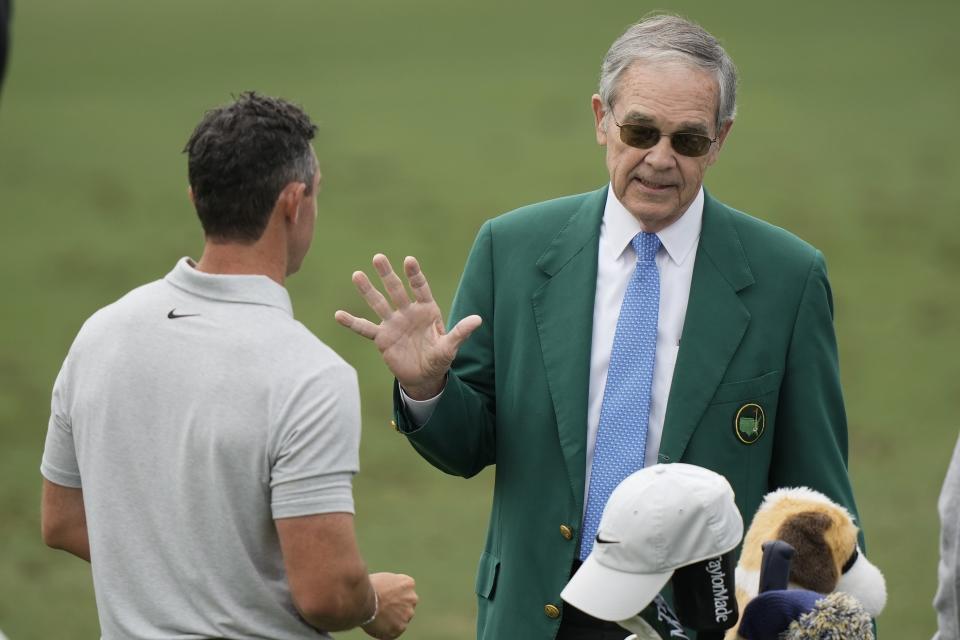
646, 246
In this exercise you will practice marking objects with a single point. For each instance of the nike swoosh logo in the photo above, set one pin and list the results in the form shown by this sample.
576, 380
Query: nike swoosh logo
174, 316
602, 541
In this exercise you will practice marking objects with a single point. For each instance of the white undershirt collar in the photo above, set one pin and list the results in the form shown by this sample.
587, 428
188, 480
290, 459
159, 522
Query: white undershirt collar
678, 239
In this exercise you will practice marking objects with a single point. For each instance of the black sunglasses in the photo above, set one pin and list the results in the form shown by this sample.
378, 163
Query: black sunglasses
643, 136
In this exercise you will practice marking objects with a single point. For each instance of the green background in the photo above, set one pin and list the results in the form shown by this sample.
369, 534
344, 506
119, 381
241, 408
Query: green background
435, 115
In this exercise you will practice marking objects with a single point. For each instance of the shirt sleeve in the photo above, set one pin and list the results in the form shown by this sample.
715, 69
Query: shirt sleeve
947, 600
59, 464
419, 410
317, 446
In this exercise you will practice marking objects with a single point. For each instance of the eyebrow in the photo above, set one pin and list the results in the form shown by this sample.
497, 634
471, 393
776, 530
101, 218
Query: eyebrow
635, 117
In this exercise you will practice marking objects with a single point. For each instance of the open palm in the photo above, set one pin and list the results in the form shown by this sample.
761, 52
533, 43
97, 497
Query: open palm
410, 336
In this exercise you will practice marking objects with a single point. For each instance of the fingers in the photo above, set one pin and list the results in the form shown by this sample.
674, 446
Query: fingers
461, 331
418, 281
373, 296
397, 598
391, 281
398, 301
360, 326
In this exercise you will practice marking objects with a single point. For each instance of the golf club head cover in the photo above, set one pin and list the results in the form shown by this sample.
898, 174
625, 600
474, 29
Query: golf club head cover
837, 615
704, 596
768, 616
775, 565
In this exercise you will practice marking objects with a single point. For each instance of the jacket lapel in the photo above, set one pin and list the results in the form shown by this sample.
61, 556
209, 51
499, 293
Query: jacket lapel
563, 308
715, 323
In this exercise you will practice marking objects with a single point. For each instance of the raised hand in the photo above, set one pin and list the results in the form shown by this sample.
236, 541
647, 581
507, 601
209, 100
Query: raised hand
410, 336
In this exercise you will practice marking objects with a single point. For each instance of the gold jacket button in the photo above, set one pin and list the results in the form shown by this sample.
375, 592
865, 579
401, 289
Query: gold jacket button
552, 611
566, 532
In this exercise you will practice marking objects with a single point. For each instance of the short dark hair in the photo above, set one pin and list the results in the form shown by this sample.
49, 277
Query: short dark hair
240, 157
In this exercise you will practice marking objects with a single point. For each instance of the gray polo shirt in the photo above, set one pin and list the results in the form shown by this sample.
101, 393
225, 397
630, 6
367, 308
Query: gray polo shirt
193, 412
947, 600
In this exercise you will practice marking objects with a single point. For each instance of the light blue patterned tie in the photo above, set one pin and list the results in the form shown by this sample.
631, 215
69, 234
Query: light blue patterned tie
625, 413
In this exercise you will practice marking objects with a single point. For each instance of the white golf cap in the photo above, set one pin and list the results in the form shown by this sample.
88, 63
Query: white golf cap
657, 520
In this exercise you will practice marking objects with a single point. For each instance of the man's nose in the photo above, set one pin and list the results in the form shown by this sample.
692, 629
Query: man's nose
661, 155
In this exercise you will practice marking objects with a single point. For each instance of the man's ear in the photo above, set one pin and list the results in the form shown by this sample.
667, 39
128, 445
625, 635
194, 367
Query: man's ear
721, 136
724, 130
599, 115
193, 200
288, 202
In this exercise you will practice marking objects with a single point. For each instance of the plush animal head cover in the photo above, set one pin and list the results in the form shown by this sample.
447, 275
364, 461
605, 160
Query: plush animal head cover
825, 537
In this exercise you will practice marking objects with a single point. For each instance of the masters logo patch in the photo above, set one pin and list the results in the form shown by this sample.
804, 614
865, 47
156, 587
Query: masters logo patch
749, 423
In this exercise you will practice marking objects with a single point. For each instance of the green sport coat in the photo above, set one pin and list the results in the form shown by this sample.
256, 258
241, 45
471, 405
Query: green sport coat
758, 331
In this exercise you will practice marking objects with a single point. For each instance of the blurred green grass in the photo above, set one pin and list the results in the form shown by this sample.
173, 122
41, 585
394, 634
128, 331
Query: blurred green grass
434, 116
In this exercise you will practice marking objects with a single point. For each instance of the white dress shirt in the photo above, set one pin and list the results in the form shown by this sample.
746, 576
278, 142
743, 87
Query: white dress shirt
616, 262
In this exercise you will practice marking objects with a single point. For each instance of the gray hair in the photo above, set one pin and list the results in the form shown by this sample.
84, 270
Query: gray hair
665, 37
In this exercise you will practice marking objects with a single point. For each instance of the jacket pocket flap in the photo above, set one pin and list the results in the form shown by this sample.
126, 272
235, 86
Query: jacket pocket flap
487, 575
747, 389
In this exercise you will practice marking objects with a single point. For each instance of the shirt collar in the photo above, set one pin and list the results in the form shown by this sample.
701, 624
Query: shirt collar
679, 239
247, 289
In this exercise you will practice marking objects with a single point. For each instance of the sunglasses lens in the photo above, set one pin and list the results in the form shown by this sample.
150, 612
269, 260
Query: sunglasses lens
642, 136
690, 144
639, 136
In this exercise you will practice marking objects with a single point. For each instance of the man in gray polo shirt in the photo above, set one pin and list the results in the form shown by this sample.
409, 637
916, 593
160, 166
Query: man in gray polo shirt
202, 442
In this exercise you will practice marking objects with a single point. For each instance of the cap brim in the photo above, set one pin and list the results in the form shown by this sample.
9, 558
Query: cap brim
609, 594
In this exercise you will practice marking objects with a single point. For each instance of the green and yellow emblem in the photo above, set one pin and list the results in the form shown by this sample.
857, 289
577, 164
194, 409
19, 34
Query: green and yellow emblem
749, 423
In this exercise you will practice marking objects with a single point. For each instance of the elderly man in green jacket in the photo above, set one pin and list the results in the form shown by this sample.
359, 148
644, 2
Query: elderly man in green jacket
645, 322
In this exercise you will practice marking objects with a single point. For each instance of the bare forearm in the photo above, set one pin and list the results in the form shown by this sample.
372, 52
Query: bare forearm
327, 576
74, 542
63, 520
340, 608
